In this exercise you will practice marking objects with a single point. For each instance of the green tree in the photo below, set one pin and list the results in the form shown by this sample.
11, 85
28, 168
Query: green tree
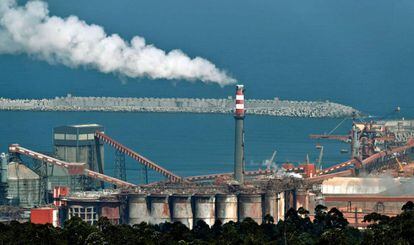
76, 231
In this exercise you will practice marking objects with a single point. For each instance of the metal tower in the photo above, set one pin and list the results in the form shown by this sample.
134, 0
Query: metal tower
120, 169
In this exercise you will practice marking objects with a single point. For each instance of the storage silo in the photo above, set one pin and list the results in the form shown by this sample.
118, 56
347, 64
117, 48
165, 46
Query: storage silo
23, 186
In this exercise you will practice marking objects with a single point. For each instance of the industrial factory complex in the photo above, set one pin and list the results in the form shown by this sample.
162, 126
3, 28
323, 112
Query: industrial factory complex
70, 180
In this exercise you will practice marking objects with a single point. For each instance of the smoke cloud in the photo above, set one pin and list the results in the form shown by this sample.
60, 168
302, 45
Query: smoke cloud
30, 30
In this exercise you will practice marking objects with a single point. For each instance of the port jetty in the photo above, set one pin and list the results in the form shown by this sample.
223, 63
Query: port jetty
269, 107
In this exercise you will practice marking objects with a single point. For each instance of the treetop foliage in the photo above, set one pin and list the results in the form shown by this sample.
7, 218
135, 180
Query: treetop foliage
327, 227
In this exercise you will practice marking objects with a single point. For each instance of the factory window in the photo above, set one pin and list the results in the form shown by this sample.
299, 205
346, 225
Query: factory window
83, 137
59, 136
87, 214
71, 136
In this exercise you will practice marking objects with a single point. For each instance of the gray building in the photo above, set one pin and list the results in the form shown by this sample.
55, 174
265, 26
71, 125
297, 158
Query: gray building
23, 186
76, 143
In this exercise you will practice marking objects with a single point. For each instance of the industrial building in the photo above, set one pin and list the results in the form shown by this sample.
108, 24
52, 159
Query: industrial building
357, 197
75, 174
77, 144
186, 205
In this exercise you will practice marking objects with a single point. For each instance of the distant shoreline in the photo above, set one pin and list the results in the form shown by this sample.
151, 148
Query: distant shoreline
275, 107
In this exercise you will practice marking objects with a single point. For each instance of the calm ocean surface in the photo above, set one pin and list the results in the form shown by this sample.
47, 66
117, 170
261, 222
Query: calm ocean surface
359, 53
187, 144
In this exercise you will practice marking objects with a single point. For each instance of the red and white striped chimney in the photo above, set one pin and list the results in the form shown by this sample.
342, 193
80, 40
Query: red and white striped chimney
239, 135
239, 112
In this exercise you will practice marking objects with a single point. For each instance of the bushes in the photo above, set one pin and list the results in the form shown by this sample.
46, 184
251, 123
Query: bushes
328, 227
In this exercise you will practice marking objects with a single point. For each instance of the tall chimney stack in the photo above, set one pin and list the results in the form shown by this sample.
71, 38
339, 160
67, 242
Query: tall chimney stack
239, 135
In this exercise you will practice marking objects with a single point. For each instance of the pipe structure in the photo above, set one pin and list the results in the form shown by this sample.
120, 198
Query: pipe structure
239, 135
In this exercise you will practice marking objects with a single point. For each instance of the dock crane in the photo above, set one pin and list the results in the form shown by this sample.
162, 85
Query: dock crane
400, 166
269, 162
319, 166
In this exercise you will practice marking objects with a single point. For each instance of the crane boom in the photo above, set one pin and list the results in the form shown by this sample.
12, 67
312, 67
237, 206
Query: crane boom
344, 138
320, 158
400, 166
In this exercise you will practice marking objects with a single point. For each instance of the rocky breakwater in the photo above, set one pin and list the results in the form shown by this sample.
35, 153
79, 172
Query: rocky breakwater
275, 107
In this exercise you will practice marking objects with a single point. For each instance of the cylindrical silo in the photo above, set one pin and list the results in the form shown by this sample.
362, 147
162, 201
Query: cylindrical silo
250, 205
226, 207
138, 209
270, 205
281, 206
181, 209
204, 208
302, 199
159, 208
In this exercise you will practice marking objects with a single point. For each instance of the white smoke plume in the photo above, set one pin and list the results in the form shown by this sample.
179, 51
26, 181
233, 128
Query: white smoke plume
30, 30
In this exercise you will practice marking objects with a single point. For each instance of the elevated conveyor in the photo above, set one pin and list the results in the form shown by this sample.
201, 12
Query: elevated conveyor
73, 168
367, 161
139, 158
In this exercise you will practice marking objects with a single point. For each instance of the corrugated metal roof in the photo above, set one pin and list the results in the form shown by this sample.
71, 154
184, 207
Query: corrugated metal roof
79, 128
355, 185
19, 171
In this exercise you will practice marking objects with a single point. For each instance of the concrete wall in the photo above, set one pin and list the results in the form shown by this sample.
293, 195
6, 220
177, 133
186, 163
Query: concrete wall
188, 209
